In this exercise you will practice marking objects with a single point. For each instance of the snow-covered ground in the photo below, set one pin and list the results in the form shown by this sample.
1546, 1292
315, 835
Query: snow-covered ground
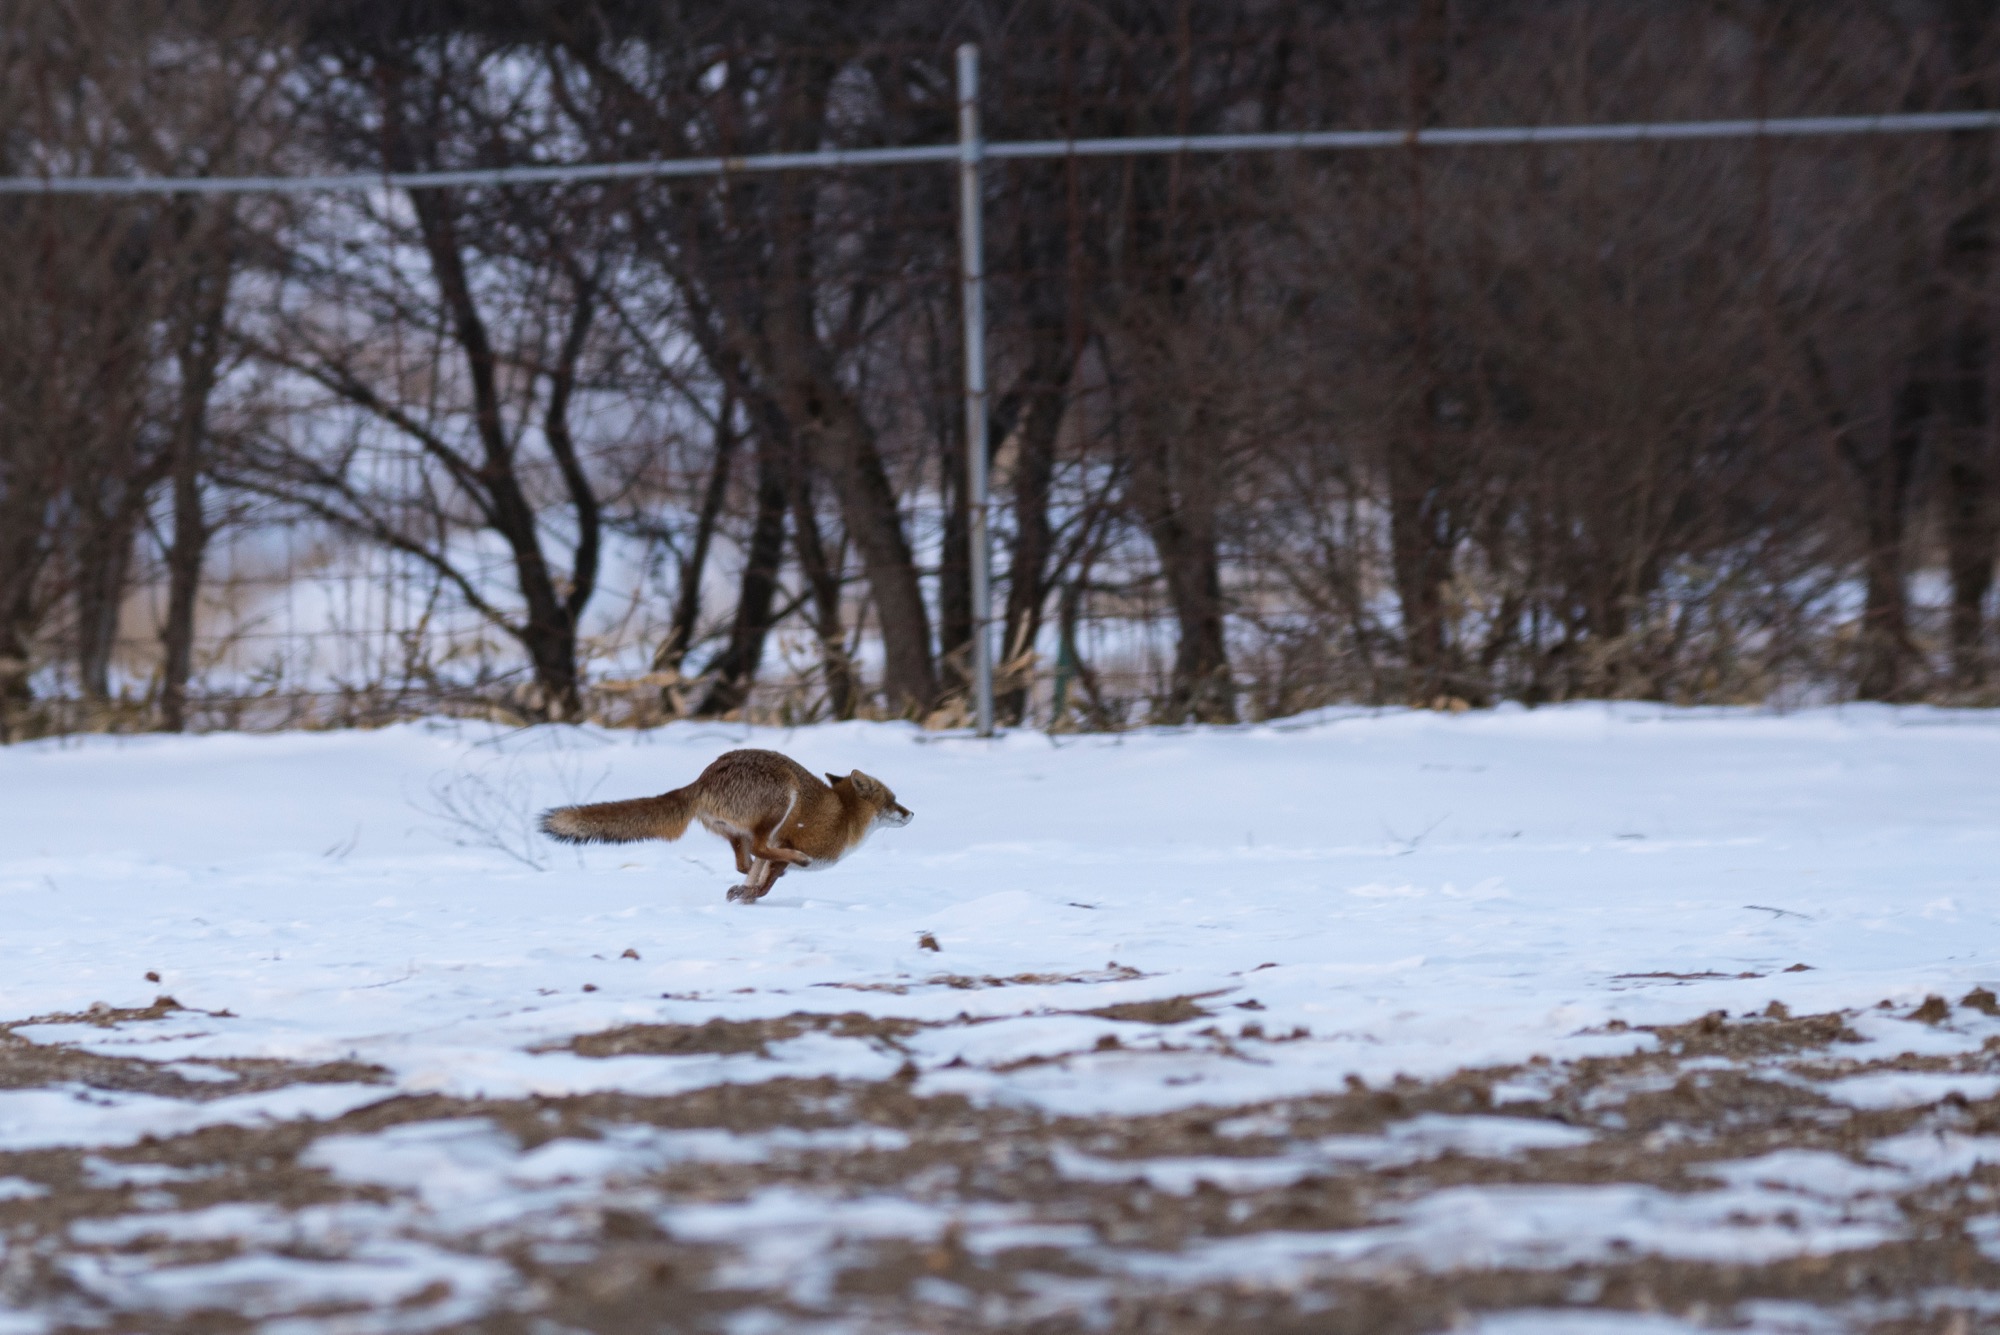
1254, 926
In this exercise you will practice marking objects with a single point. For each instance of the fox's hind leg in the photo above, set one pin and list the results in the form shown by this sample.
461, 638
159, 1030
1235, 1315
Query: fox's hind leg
761, 879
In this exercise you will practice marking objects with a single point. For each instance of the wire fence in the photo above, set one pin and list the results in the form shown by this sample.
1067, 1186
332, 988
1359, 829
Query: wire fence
302, 628
300, 624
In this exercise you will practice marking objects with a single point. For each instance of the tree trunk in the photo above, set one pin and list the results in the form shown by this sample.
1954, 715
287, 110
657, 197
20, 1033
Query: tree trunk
551, 650
1174, 490
104, 562
735, 668
200, 355
1971, 524
1036, 423
821, 573
955, 610
184, 563
841, 439
16, 615
1886, 478
108, 494
687, 598
823, 577
1419, 520
1421, 559
838, 441
23, 552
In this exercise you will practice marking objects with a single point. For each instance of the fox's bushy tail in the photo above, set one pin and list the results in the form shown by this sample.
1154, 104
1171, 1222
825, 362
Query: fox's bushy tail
662, 817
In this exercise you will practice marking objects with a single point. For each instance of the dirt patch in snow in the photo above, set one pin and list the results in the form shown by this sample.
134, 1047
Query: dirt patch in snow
26, 1064
964, 982
878, 1206
1168, 1010
723, 1036
1715, 1035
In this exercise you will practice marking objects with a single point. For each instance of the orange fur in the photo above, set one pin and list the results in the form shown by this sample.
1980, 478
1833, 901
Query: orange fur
775, 813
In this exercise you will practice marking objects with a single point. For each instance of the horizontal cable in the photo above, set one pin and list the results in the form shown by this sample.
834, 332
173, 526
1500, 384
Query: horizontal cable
489, 176
1448, 137
825, 159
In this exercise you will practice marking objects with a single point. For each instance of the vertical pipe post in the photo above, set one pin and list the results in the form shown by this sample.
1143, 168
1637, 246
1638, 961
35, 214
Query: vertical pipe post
972, 259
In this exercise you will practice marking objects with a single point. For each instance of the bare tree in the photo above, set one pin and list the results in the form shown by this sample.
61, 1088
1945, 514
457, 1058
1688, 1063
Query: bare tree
1971, 508
95, 289
1680, 420
513, 283
764, 266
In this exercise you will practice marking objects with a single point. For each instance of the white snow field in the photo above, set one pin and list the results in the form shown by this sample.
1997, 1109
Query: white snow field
1370, 1020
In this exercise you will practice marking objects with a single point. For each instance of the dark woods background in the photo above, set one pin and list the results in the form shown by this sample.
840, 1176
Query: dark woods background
1693, 421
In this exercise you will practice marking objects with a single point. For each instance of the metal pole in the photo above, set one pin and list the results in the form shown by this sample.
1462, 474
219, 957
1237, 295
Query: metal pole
973, 278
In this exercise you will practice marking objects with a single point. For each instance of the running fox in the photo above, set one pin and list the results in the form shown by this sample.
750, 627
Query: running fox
773, 811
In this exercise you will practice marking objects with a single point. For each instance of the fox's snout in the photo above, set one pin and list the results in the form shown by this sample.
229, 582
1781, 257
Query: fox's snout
896, 814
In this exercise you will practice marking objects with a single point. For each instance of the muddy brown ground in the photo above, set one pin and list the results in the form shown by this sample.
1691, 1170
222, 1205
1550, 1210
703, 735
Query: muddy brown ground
1112, 1253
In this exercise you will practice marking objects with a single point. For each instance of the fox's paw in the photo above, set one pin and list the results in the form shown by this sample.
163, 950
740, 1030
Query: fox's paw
746, 894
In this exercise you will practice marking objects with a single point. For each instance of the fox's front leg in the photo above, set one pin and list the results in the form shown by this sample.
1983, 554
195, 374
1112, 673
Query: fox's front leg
766, 846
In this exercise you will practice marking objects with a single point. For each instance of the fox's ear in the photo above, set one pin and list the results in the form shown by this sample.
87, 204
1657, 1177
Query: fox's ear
833, 778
